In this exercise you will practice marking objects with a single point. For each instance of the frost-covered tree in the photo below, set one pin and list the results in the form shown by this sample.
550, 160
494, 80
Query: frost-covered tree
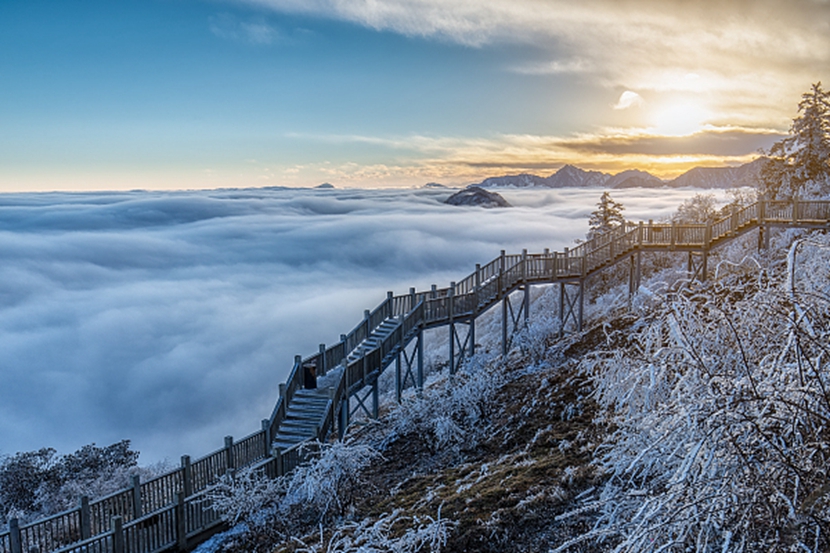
799, 165
607, 216
700, 208
43, 482
719, 402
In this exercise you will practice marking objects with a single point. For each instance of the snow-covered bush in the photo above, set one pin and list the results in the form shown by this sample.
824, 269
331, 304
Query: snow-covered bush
721, 403
328, 485
391, 533
318, 492
446, 413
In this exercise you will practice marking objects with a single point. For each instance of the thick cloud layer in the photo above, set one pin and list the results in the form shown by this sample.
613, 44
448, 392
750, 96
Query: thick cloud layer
171, 318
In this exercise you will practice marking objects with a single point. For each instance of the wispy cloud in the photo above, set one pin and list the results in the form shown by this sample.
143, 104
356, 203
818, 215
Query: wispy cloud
766, 52
629, 99
254, 31
554, 67
457, 160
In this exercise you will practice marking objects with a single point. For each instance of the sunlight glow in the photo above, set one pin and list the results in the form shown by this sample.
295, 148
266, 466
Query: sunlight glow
679, 119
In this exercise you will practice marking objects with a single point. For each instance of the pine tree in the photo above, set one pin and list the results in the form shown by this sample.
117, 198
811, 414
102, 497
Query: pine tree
606, 217
799, 165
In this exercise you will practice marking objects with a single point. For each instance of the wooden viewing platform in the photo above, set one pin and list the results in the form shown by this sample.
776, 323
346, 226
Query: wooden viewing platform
170, 512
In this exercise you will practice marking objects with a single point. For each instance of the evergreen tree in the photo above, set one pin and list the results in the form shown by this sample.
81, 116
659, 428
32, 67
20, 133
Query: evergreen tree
605, 217
799, 165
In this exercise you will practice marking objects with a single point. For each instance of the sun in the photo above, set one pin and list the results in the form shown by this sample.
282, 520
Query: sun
679, 119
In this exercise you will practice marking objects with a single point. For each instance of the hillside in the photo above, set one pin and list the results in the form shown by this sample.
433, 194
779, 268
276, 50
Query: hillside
690, 420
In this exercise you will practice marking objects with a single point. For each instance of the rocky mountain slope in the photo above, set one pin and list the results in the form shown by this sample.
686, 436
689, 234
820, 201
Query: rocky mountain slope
570, 176
476, 196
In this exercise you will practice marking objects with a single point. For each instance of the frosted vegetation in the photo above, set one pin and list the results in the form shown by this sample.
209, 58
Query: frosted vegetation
710, 401
35, 484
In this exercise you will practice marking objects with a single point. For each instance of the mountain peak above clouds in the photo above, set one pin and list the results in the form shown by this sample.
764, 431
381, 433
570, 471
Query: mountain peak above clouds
476, 196
570, 176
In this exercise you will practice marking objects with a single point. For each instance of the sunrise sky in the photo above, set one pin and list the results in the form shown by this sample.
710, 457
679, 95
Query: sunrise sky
162, 94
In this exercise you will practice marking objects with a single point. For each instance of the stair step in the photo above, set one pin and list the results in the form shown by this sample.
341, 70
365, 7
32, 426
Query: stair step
294, 434
307, 409
285, 443
307, 400
302, 423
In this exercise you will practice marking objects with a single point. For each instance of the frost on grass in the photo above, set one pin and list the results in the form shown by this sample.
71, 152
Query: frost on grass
721, 402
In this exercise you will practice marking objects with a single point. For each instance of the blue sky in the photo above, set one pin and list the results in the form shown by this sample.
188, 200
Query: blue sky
202, 94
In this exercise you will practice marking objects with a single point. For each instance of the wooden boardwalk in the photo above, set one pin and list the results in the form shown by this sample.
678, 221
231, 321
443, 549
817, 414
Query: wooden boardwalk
169, 512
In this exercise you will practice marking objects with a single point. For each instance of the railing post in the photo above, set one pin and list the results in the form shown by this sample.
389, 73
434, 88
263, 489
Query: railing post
86, 521
14, 536
266, 437
501, 273
181, 525
733, 219
477, 301
229, 452
280, 466
795, 210
566, 254
322, 368
412, 299
450, 315
366, 315
673, 240
640, 234
117, 535
187, 474
343, 340
526, 298
138, 510
298, 363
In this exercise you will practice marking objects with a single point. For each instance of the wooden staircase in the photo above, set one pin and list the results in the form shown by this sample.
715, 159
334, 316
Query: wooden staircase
308, 408
305, 413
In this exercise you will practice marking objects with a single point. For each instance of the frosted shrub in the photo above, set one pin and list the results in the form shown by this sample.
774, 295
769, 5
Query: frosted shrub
532, 341
447, 412
247, 496
385, 535
329, 484
721, 405
315, 493
41, 483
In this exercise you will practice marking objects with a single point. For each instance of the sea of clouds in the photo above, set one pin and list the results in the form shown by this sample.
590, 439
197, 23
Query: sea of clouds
170, 318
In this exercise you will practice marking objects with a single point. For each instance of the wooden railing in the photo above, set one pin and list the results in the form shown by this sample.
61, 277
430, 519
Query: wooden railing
167, 511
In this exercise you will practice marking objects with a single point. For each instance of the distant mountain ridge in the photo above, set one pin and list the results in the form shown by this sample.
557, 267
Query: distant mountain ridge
570, 176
